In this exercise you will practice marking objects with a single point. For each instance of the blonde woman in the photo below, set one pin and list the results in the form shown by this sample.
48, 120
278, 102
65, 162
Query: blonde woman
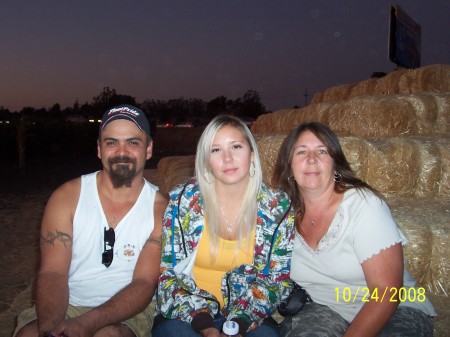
227, 241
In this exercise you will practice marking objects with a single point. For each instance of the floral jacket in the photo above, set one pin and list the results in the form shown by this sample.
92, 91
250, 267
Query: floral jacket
250, 292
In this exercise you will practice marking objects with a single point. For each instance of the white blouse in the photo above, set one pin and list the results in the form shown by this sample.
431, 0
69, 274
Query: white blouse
332, 274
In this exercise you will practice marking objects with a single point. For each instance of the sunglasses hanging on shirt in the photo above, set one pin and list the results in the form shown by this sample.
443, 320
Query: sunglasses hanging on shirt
109, 237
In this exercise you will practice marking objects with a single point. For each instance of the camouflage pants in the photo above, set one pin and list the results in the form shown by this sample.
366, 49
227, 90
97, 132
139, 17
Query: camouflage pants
317, 320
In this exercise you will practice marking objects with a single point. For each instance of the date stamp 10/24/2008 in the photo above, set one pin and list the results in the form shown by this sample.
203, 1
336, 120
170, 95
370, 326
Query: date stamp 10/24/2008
391, 294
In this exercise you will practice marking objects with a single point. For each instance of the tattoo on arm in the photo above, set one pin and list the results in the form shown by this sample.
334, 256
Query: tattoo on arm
64, 238
155, 240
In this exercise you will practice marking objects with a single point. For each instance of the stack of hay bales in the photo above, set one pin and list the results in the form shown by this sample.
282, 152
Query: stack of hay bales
368, 116
433, 78
395, 133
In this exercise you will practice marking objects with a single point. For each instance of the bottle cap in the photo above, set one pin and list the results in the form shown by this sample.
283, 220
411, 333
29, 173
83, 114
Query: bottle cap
230, 328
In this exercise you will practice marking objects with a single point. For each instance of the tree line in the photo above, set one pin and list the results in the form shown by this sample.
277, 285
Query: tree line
47, 132
172, 111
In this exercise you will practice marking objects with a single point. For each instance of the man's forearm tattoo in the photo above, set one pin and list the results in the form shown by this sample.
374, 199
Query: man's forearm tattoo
155, 240
64, 238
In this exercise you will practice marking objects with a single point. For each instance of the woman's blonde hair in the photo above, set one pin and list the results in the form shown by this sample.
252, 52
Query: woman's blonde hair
246, 218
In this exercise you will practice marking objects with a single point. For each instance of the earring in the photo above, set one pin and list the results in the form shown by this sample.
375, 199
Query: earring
337, 177
252, 169
209, 177
291, 179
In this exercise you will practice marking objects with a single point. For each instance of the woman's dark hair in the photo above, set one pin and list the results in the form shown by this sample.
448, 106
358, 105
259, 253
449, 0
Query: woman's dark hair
282, 175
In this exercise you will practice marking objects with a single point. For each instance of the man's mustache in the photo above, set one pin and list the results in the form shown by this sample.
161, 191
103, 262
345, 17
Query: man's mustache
121, 160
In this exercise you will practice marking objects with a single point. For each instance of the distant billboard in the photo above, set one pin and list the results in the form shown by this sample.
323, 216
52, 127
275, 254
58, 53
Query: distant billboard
404, 39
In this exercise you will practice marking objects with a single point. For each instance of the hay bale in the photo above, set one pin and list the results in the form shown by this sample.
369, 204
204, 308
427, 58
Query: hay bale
372, 117
429, 164
426, 224
388, 85
339, 93
290, 121
357, 152
443, 145
432, 78
268, 146
295, 117
442, 125
418, 251
426, 110
363, 88
440, 261
281, 120
394, 115
317, 98
416, 167
174, 170
268, 123
312, 113
390, 168
299, 116
152, 176
258, 126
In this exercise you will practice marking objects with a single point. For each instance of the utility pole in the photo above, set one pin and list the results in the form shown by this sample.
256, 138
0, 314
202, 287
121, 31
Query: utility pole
306, 96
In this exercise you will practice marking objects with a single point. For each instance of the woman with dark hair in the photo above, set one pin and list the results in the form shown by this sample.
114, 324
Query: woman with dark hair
227, 242
348, 252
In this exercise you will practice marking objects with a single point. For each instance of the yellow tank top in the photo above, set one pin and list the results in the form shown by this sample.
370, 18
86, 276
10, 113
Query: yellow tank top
208, 275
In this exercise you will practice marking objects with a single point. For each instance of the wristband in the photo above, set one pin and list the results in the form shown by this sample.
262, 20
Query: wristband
243, 325
202, 321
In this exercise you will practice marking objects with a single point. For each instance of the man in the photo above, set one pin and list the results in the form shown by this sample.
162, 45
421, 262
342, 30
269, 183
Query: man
101, 242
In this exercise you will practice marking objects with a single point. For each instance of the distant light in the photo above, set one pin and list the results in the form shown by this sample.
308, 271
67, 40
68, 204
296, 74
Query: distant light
91, 121
99, 120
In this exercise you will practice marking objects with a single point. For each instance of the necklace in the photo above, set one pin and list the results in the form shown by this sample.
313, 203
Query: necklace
229, 228
314, 221
322, 214
311, 222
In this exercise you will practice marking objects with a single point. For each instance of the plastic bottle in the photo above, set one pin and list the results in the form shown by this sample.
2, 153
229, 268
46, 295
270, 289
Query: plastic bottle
230, 328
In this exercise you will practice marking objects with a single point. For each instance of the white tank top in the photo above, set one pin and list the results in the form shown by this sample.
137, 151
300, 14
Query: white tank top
90, 282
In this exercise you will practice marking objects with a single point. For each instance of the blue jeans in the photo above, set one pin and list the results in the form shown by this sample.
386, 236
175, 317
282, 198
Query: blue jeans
178, 328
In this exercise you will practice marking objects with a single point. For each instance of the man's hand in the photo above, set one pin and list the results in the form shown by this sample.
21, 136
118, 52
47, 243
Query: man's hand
74, 327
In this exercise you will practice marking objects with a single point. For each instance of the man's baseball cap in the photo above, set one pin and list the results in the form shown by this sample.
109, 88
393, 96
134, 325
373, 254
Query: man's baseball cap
128, 112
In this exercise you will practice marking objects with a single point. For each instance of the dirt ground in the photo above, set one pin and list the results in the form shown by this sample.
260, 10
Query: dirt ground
20, 218
22, 203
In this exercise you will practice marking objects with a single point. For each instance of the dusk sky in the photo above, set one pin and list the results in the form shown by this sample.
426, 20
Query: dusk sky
64, 51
